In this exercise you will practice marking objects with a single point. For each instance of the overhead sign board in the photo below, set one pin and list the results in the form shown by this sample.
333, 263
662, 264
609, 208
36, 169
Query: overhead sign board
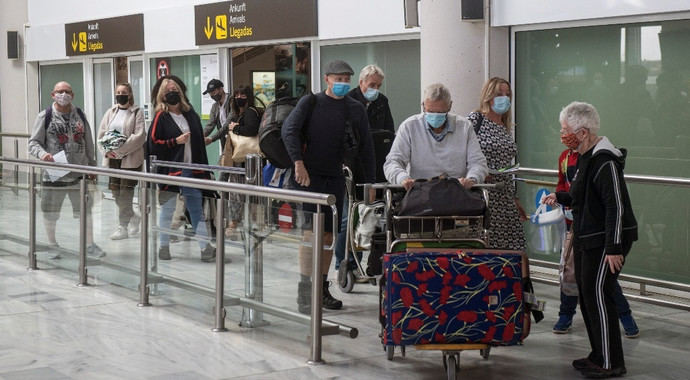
107, 35
254, 20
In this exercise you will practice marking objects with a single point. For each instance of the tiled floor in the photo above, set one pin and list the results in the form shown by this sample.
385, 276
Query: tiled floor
50, 329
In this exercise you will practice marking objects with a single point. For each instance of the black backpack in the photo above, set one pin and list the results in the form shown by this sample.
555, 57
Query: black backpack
270, 140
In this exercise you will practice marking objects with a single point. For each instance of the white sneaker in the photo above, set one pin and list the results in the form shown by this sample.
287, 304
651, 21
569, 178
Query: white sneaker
119, 234
134, 225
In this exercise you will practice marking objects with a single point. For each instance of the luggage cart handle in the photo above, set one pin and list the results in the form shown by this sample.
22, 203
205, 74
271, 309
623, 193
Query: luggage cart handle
336, 224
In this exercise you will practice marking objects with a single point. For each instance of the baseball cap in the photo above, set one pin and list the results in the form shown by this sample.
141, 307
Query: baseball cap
338, 67
212, 85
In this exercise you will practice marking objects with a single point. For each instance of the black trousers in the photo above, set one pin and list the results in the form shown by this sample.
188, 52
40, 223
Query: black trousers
597, 288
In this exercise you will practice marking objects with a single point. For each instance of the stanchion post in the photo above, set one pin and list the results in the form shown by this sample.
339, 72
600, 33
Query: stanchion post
316, 288
83, 200
220, 262
153, 211
144, 208
32, 219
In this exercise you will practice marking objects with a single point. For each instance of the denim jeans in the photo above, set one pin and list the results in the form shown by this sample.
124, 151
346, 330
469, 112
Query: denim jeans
569, 303
193, 200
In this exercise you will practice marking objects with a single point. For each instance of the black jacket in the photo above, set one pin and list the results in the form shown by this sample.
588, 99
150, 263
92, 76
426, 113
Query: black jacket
378, 111
325, 135
602, 213
161, 143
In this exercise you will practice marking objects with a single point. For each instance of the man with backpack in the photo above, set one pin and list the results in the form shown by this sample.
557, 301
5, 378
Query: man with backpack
320, 134
63, 131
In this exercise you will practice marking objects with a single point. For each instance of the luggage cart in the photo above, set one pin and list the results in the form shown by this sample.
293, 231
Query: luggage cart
451, 231
348, 275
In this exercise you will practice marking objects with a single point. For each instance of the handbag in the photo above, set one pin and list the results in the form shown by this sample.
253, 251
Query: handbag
237, 147
566, 269
543, 217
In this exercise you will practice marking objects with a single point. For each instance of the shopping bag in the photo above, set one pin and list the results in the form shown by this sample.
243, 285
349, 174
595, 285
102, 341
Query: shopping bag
237, 148
566, 269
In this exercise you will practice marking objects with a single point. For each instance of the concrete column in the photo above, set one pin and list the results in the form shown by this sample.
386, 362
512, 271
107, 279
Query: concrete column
452, 52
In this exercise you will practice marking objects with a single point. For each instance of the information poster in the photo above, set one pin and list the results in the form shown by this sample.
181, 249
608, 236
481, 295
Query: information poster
264, 85
209, 70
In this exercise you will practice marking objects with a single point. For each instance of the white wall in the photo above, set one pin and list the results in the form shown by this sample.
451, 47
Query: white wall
13, 105
358, 18
524, 12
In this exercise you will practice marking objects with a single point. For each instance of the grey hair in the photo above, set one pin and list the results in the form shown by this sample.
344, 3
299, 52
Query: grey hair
578, 115
437, 91
370, 70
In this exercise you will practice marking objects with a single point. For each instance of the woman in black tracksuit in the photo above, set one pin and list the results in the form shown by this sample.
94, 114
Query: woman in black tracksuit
604, 229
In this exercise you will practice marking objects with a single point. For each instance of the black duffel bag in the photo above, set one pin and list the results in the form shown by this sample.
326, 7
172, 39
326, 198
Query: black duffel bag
439, 196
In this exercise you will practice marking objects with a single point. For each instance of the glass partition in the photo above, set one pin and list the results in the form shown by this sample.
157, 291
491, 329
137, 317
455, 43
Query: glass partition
69, 72
638, 77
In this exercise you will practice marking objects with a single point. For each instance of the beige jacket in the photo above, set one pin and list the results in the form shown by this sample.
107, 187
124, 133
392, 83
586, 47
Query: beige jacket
132, 151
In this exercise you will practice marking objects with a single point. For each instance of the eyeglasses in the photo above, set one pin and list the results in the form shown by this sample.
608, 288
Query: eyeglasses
63, 91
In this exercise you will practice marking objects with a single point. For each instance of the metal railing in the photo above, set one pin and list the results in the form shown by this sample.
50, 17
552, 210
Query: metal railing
252, 300
643, 282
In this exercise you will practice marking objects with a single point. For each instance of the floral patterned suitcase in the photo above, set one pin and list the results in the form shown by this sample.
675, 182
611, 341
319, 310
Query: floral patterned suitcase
471, 296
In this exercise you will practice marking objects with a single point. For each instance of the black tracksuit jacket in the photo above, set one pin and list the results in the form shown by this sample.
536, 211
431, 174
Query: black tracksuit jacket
602, 213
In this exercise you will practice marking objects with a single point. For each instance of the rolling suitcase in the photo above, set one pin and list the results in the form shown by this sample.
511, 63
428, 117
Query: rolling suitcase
470, 296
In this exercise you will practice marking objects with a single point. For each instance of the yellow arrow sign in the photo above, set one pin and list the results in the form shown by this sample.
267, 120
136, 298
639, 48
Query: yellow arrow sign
74, 41
208, 29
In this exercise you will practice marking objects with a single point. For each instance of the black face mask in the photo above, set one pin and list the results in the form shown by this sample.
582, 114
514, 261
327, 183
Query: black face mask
241, 102
122, 99
217, 97
172, 98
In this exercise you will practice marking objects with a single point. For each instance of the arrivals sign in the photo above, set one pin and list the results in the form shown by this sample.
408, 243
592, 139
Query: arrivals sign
254, 20
107, 35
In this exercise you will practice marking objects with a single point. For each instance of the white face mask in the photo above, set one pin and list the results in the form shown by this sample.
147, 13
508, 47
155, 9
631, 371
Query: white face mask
63, 99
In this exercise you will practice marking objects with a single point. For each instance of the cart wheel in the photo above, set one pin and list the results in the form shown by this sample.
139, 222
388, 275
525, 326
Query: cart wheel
390, 350
346, 279
485, 352
453, 367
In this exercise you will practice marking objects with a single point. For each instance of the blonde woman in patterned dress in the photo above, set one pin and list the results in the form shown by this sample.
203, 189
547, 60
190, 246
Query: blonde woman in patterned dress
492, 124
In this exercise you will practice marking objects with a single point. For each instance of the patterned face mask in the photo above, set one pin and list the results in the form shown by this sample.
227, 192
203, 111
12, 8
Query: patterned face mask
570, 140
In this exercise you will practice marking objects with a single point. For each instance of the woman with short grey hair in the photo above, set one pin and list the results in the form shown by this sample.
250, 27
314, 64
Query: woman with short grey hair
604, 228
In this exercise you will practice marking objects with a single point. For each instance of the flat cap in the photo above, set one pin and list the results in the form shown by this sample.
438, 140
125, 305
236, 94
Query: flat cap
338, 67
212, 85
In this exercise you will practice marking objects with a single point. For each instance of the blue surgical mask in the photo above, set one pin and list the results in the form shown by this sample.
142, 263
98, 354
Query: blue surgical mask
340, 88
501, 104
435, 119
371, 94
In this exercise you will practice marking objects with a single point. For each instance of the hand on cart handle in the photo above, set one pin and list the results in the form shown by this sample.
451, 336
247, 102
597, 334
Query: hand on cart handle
407, 183
467, 183
301, 174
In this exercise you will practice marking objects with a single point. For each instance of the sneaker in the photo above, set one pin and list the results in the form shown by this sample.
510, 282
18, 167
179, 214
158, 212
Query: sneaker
120, 233
582, 364
208, 254
630, 327
601, 373
133, 228
95, 251
329, 302
563, 324
164, 253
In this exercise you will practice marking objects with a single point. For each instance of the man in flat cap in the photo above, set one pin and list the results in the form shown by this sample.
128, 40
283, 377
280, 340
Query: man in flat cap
220, 113
320, 134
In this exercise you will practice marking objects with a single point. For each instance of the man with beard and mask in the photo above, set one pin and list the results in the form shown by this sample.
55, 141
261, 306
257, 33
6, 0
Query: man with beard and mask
604, 229
220, 113
123, 123
63, 129
319, 134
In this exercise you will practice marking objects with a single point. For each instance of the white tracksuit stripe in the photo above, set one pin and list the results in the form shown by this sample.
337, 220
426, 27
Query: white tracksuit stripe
601, 308
618, 231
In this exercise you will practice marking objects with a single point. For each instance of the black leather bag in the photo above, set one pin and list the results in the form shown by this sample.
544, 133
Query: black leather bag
441, 196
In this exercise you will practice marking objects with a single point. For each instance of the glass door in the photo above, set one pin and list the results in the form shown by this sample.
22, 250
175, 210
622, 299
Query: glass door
103, 93
136, 79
